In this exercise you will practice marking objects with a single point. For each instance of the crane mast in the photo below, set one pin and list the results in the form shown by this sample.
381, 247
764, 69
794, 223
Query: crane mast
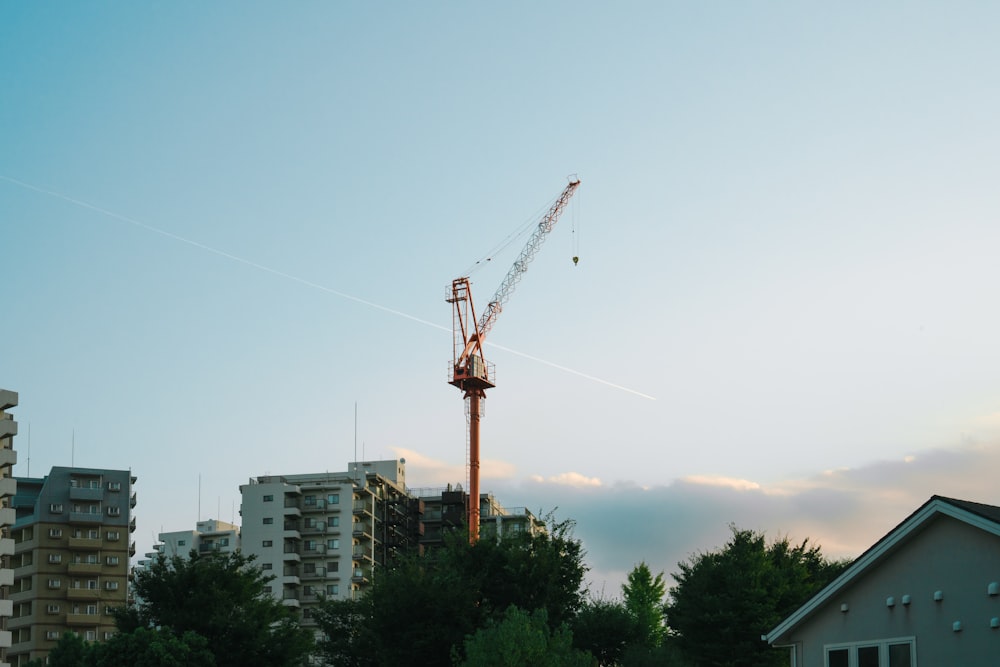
470, 371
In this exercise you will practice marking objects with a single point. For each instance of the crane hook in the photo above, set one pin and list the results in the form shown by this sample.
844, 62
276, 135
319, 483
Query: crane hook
576, 260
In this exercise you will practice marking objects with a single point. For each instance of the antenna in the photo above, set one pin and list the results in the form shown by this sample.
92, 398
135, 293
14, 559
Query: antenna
199, 499
29, 450
72, 450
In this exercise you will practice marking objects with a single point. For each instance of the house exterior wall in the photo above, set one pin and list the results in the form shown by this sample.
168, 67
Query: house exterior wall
949, 556
8, 487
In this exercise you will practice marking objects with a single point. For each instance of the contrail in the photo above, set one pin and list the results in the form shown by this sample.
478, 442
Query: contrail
301, 281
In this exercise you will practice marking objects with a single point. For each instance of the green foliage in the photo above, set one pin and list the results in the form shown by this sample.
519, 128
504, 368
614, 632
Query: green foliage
605, 629
220, 597
343, 626
725, 600
69, 651
146, 647
643, 595
521, 639
417, 612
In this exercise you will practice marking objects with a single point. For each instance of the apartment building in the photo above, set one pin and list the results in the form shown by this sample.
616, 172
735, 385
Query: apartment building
446, 510
8, 487
209, 536
325, 535
72, 544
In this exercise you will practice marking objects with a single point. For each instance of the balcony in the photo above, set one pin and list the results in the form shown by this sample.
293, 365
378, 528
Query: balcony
85, 517
85, 493
361, 529
318, 506
362, 507
361, 575
292, 510
314, 529
291, 556
84, 543
290, 599
84, 568
132, 501
82, 619
83, 594
8, 457
361, 553
8, 486
291, 580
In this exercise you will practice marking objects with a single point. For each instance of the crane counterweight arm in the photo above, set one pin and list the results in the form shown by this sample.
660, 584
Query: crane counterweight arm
513, 276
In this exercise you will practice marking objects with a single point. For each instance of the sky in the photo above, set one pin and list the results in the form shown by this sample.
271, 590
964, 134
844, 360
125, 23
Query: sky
227, 232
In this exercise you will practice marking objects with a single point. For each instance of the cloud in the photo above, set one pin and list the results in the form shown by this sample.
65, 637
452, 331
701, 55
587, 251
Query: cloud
844, 511
568, 479
434, 472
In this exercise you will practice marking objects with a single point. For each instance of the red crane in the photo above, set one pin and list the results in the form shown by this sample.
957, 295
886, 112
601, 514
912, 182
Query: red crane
470, 371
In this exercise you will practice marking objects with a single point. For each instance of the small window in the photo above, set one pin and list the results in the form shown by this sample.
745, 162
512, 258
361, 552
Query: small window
56, 508
334, 521
181, 543
108, 635
114, 486
332, 566
91, 635
111, 586
268, 498
268, 543
55, 558
52, 609
114, 535
332, 589
267, 589
112, 560
52, 634
114, 511
55, 532
92, 584
268, 521
265, 566
54, 583
333, 544
333, 499
224, 542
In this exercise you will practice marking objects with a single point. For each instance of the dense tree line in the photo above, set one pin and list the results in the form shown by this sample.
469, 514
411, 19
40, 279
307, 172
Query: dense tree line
515, 602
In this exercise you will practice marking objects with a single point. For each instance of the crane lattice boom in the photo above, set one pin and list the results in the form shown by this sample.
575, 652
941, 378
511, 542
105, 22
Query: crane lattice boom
470, 371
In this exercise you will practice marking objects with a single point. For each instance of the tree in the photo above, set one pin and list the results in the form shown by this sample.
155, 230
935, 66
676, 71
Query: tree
146, 647
643, 595
605, 629
69, 651
342, 624
522, 639
725, 600
220, 597
422, 608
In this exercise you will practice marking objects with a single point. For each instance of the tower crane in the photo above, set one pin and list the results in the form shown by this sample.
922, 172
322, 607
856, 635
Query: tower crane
470, 371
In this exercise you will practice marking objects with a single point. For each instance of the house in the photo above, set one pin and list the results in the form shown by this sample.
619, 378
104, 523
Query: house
926, 594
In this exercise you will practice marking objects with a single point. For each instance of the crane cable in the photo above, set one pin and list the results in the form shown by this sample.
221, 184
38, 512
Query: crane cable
520, 232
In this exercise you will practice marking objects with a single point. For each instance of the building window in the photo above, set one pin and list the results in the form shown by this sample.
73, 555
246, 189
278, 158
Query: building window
114, 511
111, 586
879, 653
181, 543
333, 499
333, 544
268, 521
332, 589
267, 589
112, 560
265, 566
54, 583
55, 558
309, 501
332, 566
114, 486
52, 634
56, 508
334, 521
55, 532
310, 545
268, 543
114, 535
91, 636
268, 498
308, 568
224, 542
52, 609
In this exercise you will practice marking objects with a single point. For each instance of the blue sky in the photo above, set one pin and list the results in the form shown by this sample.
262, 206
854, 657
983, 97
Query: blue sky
225, 225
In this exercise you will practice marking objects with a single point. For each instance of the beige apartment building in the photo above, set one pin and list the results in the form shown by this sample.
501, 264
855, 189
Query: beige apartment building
8, 487
72, 544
